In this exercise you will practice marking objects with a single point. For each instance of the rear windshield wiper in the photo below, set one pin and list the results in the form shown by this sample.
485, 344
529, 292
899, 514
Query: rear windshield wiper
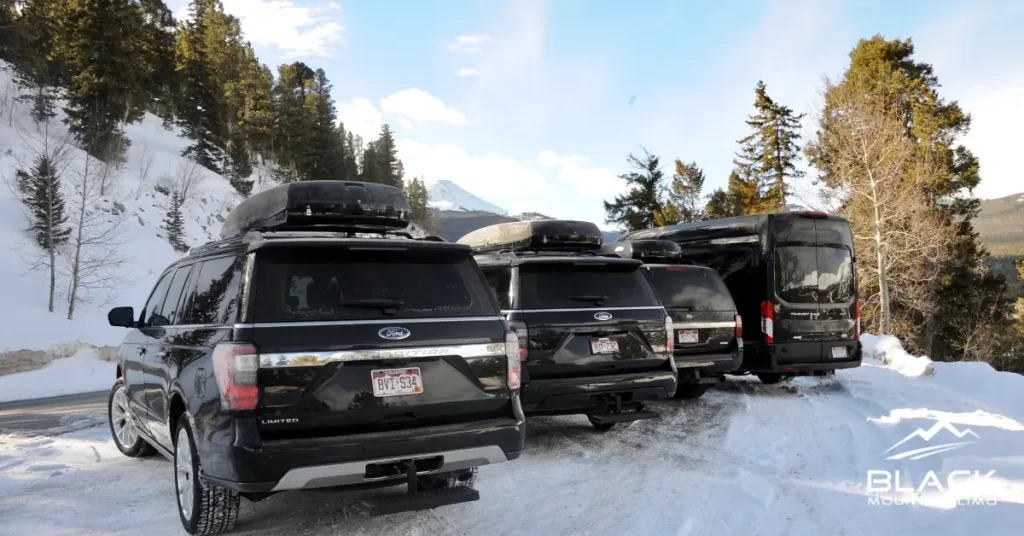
596, 298
387, 306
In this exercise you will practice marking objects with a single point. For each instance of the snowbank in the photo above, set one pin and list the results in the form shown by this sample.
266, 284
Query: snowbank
83, 372
888, 351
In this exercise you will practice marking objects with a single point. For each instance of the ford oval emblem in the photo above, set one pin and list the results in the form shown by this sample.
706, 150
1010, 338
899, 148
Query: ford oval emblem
394, 334
603, 316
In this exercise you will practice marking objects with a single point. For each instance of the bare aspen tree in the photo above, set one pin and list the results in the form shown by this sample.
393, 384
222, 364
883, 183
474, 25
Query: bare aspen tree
94, 259
145, 168
188, 179
900, 239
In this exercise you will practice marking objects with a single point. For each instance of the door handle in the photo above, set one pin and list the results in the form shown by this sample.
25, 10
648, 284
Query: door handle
142, 350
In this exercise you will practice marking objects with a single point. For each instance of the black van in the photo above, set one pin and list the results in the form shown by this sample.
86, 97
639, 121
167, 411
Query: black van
708, 330
794, 274
318, 345
593, 337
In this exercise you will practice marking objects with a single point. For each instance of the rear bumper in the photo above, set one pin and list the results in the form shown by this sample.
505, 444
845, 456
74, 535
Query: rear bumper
566, 396
710, 363
799, 357
343, 460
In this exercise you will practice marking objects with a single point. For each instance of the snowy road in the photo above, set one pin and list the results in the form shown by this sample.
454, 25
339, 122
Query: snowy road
745, 459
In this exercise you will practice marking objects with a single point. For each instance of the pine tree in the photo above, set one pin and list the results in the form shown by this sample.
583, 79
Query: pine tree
324, 152
250, 96
41, 193
741, 196
109, 53
768, 155
390, 167
200, 108
637, 209
175, 224
684, 196
353, 152
419, 209
239, 166
164, 83
369, 164
38, 71
292, 125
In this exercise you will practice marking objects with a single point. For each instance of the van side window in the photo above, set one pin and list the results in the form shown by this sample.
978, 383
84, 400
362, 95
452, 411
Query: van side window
499, 278
215, 298
156, 300
169, 311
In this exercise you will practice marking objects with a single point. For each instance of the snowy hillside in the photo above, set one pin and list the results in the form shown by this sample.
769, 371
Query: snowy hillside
446, 195
133, 200
810, 458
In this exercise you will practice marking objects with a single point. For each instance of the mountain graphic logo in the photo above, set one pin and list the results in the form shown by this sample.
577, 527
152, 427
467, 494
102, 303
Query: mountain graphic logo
927, 436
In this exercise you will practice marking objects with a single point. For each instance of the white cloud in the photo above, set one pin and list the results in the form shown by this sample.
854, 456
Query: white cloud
593, 182
552, 159
996, 113
467, 43
405, 123
493, 177
294, 30
360, 117
467, 72
419, 105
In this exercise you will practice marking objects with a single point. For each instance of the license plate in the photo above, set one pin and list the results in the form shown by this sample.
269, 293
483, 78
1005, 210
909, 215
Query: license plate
396, 382
688, 336
604, 346
838, 352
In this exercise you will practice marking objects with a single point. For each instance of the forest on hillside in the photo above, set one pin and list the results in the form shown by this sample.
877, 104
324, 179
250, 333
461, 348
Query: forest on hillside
886, 154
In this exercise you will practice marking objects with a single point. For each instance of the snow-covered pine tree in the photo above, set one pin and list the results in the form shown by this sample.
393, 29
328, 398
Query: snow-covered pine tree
40, 188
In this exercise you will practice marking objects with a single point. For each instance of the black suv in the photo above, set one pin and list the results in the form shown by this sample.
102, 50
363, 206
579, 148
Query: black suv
592, 334
708, 330
296, 353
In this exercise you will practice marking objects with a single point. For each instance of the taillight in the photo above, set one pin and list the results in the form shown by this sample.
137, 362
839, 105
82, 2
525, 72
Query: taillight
739, 327
858, 320
522, 331
670, 341
512, 357
236, 366
767, 321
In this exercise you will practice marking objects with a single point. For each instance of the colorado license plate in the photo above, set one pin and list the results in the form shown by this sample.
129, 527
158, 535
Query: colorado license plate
688, 336
395, 382
604, 346
838, 352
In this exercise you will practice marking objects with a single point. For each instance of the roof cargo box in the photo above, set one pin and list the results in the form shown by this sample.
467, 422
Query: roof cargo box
645, 250
539, 235
320, 204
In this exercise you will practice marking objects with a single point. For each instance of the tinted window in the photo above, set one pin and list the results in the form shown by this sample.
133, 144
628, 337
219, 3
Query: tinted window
499, 278
156, 300
567, 285
215, 298
321, 284
813, 275
169, 310
689, 288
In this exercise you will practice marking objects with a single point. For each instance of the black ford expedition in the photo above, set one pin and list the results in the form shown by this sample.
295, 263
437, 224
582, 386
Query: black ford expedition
708, 330
296, 353
592, 335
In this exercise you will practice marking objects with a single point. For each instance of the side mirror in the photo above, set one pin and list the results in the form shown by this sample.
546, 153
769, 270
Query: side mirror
122, 317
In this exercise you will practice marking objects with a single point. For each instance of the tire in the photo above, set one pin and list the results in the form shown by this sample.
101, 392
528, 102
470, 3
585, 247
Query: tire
691, 391
455, 479
202, 507
123, 428
601, 427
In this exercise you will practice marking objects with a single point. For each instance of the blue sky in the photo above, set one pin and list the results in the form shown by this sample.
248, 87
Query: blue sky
534, 105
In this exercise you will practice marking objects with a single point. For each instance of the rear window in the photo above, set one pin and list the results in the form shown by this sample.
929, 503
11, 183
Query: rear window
693, 289
572, 286
322, 285
805, 274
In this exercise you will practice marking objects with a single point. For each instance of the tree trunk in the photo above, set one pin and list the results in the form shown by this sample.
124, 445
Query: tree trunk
78, 242
883, 280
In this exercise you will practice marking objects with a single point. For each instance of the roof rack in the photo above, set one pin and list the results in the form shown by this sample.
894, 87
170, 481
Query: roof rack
565, 236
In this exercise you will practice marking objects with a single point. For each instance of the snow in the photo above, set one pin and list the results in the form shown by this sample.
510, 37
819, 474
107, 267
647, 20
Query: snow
446, 195
746, 458
83, 372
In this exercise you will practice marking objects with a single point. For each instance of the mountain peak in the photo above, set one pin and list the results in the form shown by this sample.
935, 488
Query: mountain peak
446, 195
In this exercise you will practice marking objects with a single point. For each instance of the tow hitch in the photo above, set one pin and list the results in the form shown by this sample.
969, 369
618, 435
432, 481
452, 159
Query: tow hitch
416, 499
618, 411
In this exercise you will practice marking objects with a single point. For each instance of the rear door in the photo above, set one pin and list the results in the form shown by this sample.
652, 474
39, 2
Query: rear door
702, 310
371, 339
589, 318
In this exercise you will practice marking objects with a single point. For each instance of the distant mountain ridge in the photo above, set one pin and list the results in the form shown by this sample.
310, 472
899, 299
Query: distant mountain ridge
446, 195
1000, 225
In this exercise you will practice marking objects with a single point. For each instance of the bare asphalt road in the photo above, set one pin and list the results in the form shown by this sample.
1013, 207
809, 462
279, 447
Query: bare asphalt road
68, 412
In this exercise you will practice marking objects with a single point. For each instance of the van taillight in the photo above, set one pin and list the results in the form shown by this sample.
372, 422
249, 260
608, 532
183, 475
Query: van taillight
522, 331
858, 320
236, 366
768, 321
512, 358
739, 327
670, 341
